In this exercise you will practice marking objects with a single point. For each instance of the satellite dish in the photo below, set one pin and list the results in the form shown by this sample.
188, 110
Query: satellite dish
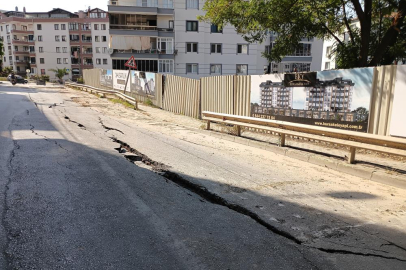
111, 51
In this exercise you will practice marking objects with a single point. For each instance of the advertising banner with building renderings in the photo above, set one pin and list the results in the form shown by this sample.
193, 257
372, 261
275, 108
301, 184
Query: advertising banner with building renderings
143, 83
333, 98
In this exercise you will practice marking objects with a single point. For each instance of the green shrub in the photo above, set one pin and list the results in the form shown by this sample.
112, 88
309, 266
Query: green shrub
148, 102
80, 80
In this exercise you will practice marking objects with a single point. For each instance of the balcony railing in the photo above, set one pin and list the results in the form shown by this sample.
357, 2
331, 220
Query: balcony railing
150, 51
143, 3
139, 28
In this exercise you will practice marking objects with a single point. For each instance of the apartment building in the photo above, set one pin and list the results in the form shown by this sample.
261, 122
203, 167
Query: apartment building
330, 95
40, 41
276, 95
165, 36
307, 57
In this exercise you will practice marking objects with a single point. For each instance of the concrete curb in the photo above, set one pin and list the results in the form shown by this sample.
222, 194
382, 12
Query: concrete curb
340, 166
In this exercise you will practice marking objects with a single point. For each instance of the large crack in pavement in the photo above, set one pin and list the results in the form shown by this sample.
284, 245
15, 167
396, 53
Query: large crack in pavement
46, 138
79, 124
108, 128
211, 197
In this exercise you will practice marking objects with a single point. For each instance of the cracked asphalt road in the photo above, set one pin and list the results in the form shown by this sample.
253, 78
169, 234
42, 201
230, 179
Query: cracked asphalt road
70, 200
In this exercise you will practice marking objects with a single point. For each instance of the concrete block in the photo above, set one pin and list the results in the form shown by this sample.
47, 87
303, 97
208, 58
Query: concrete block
298, 155
276, 149
388, 179
257, 144
324, 162
354, 170
240, 140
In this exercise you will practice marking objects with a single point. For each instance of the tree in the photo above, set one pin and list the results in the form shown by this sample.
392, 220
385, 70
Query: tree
60, 73
380, 39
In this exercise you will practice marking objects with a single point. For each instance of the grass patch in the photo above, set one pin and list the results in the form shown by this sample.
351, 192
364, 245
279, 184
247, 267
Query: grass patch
3, 79
119, 101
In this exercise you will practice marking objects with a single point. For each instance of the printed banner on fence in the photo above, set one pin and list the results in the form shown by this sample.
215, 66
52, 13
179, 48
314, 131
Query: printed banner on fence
397, 124
143, 83
120, 79
334, 98
106, 79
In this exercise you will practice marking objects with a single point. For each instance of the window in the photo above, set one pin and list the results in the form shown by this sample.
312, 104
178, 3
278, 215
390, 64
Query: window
58, 60
65, 61
165, 66
242, 70
242, 49
56, 38
96, 27
328, 52
104, 39
63, 26
103, 27
165, 45
98, 61
191, 47
65, 49
192, 68
16, 48
32, 48
41, 49
215, 29
105, 62
56, 26
104, 49
63, 38
42, 60
171, 24
39, 38
97, 38
215, 48
192, 26
31, 38
97, 49
192, 4
58, 49
39, 26
42, 71
327, 65
215, 69
73, 26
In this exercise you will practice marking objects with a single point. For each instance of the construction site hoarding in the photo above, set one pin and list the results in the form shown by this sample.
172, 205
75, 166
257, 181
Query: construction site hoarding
334, 98
398, 121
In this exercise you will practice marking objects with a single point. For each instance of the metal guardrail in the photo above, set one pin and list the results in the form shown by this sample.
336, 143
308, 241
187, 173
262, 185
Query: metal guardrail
352, 139
92, 89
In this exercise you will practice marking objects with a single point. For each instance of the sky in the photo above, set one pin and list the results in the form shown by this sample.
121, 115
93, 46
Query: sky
47, 5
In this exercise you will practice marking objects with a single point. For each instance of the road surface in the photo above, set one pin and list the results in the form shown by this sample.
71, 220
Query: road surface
73, 198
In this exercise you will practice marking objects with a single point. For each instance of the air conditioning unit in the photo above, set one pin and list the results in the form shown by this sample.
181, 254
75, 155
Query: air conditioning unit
114, 3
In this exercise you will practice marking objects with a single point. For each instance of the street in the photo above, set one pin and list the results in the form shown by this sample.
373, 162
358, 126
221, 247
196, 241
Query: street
84, 189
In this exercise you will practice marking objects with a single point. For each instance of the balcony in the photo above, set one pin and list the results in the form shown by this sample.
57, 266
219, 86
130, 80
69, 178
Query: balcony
87, 53
21, 62
21, 52
151, 7
145, 54
140, 30
28, 32
21, 42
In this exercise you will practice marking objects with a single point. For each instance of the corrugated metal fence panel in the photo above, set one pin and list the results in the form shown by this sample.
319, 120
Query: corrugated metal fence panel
242, 93
158, 90
218, 94
92, 77
382, 100
182, 96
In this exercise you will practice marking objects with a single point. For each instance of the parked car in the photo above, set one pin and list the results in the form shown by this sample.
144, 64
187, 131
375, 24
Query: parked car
19, 79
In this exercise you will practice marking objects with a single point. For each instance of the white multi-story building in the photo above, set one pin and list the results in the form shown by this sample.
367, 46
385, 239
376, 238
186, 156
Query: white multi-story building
165, 36
40, 41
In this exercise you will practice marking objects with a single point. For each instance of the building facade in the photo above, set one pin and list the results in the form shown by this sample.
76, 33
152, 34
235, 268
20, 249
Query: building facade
276, 95
331, 95
42, 41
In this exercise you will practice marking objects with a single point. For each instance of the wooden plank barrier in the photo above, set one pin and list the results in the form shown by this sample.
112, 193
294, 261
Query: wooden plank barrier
353, 140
